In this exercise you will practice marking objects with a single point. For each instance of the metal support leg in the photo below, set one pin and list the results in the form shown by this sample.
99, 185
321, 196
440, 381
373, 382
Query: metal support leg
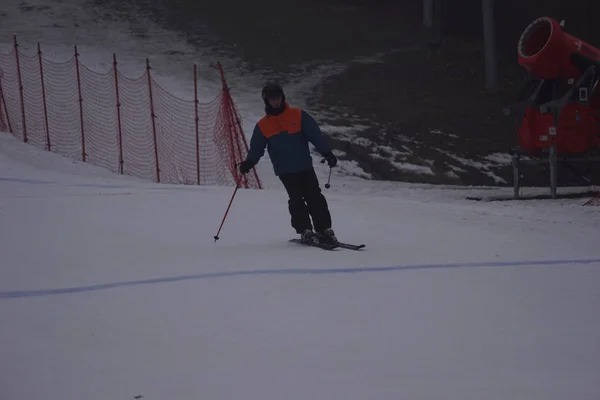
553, 132
516, 175
553, 175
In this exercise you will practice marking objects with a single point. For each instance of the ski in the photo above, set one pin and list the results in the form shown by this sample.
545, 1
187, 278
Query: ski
331, 246
343, 245
350, 246
324, 246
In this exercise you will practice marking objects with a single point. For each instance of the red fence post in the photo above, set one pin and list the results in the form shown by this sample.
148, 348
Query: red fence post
234, 121
235, 143
3, 104
21, 90
236, 139
239, 125
153, 116
118, 115
44, 98
196, 122
80, 103
230, 130
225, 109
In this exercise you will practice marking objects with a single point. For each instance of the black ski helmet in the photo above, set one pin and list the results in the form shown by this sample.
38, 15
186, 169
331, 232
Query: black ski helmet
270, 89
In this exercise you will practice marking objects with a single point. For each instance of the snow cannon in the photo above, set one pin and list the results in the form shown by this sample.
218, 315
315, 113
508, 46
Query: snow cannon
560, 104
548, 52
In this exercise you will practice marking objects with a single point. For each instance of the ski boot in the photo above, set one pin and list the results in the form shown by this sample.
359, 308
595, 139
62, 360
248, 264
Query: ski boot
328, 236
309, 237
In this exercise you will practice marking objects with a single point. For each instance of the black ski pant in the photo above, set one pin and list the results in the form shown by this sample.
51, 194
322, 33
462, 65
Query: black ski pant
306, 201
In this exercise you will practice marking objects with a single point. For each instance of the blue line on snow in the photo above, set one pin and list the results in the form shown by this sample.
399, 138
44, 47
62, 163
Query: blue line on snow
330, 271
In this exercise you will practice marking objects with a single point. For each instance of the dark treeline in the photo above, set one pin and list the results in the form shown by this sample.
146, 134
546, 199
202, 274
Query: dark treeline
462, 18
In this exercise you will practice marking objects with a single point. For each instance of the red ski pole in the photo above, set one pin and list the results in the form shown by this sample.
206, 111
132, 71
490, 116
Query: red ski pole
237, 185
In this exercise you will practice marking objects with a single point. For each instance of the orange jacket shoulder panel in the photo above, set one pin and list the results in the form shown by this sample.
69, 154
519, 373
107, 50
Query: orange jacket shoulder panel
268, 126
289, 121
292, 120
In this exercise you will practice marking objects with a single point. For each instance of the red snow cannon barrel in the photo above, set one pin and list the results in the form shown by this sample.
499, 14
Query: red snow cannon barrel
563, 67
548, 52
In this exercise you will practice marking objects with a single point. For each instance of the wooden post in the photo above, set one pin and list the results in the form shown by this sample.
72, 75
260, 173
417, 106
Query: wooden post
196, 122
153, 117
489, 40
3, 104
46, 125
428, 13
23, 119
121, 162
80, 104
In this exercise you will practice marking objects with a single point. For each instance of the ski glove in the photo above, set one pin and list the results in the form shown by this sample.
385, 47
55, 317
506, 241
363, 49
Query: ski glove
331, 159
246, 166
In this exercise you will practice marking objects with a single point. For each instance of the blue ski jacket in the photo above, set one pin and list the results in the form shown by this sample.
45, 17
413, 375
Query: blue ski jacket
286, 137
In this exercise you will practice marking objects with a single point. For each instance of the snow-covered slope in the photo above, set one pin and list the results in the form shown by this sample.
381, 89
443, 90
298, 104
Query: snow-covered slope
112, 288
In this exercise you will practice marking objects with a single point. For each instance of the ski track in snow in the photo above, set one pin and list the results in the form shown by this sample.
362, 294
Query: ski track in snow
230, 274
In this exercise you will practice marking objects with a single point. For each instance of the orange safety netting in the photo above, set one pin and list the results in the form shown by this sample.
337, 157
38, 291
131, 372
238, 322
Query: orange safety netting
130, 126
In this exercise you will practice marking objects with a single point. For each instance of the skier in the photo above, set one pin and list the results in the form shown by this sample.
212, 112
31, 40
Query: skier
285, 131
